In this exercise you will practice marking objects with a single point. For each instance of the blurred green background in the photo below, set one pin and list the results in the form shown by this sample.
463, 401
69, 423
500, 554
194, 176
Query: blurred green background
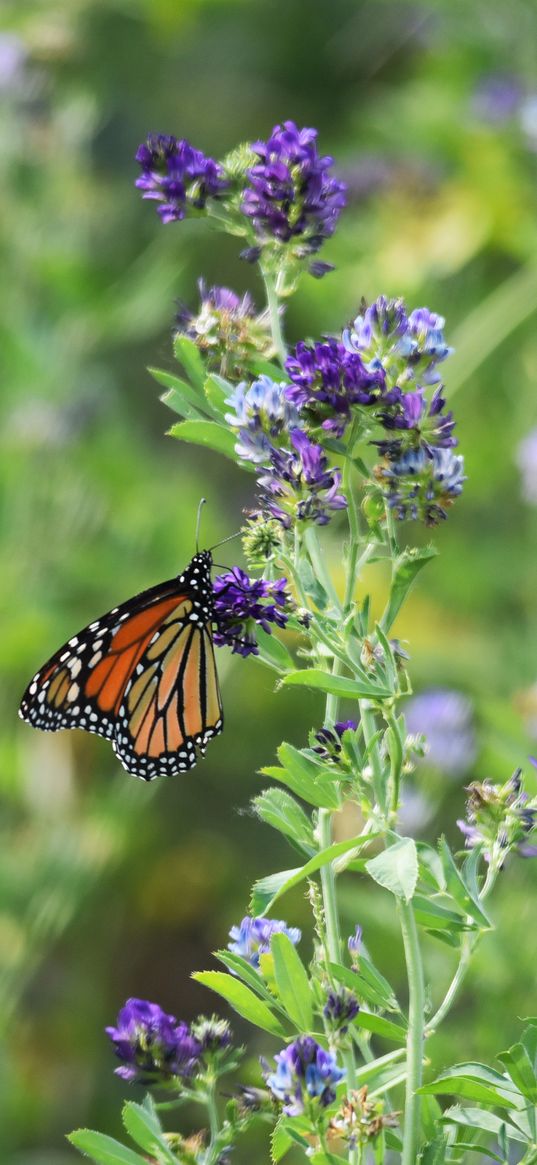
109, 888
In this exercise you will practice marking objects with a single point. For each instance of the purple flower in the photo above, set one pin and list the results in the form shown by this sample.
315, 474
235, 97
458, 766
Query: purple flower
407, 347
340, 1009
327, 381
291, 196
526, 458
500, 818
177, 176
251, 938
354, 943
329, 740
261, 415
416, 419
212, 1034
241, 604
226, 329
421, 484
153, 1046
304, 1072
446, 719
301, 485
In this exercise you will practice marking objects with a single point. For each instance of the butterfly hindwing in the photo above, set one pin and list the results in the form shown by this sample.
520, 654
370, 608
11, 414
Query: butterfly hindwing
150, 657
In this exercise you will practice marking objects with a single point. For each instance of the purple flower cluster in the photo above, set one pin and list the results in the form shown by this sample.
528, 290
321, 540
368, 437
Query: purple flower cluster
500, 818
291, 196
354, 943
305, 1072
262, 415
327, 381
251, 938
407, 346
328, 745
422, 484
177, 176
242, 603
226, 329
300, 485
340, 1009
154, 1047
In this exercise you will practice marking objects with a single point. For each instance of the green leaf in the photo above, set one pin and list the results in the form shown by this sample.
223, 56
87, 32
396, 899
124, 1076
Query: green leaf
280, 1141
435, 917
405, 569
272, 651
267, 890
188, 355
217, 392
380, 1074
479, 1118
292, 982
323, 681
367, 983
282, 812
144, 1128
244, 970
305, 778
458, 889
380, 1026
181, 397
520, 1069
476, 1082
205, 433
104, 1150
241, 999
396, 868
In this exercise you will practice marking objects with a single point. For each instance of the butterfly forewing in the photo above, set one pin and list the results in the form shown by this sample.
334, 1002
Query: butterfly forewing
143, 675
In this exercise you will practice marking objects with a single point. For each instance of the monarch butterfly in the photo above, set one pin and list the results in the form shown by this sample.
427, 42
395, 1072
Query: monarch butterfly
143, 676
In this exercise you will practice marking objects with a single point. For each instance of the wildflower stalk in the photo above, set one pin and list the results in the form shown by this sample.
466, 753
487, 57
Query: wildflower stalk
415, 1038
273, 304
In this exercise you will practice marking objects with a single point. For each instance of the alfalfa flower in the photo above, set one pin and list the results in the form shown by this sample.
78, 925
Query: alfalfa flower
422, 484
291, 196
300, 484
500, 818
305, 1073
226, 329
408, 346
154, 1048
251, 938
340, 1009
177, 176
261, 415
241, 604
327, 381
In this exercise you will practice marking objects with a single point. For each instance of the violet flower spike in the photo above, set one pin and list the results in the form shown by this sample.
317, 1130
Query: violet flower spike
241, 604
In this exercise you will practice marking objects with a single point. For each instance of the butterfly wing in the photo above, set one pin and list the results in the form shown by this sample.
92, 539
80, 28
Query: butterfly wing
104, 677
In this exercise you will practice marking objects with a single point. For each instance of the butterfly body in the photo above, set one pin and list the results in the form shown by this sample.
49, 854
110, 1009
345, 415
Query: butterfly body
142, 676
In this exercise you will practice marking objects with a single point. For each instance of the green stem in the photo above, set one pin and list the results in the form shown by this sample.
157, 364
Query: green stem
273, 304
415, 1037
214, 1121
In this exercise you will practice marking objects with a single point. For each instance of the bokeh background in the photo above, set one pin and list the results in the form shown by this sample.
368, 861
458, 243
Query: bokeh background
109, 888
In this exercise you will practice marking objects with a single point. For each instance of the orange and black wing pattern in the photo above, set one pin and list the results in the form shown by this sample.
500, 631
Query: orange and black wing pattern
143, 676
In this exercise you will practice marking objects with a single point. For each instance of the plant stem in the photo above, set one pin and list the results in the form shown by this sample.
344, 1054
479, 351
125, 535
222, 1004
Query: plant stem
214, 1123
273, 304
369, 728
415, 1038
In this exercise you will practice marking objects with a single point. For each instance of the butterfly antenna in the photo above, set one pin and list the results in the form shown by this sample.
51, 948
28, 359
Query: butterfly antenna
224, 540
202, 502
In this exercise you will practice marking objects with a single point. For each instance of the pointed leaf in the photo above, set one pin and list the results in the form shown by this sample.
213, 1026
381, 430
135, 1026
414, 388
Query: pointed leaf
435, 917
396, 868
405, 570
520, 1069
145, 1129
459, 891
244, 970
267, 890
217, 392
188, 355
367, 983
272, 651
205, 433
241, 999
476, 1082
380, 1026
292, 982
323, 681
479, 1118
282, 812
104, 1150
280, 1141
181, 397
